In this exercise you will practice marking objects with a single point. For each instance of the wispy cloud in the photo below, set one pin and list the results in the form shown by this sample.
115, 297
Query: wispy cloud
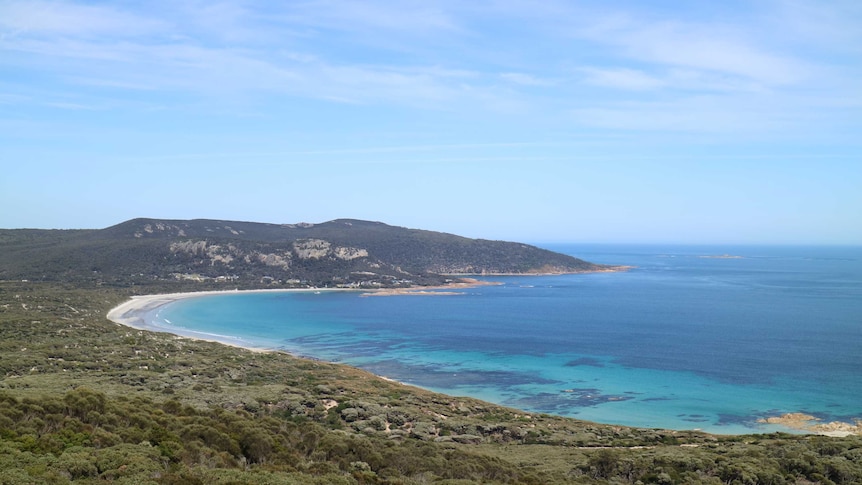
526, 79
71, 106
623, 78
140, 64
706, 48
710, 47
411, 16
555, 58
43, 18
13, 98
754, 115
832, 25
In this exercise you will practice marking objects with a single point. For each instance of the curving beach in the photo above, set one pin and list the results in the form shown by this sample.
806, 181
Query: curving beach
526, 346
134, 313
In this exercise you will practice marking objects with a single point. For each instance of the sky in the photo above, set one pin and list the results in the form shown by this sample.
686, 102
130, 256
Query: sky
703, 122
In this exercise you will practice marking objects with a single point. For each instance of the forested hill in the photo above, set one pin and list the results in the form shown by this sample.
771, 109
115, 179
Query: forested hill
342, 252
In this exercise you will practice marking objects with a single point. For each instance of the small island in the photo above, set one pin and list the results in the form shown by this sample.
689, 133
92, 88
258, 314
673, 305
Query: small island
720, 256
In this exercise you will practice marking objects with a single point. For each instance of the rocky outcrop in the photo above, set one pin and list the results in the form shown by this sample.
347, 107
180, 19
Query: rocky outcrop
159, 227
312, 248
319, 249
275, 260
347, 254
813, 424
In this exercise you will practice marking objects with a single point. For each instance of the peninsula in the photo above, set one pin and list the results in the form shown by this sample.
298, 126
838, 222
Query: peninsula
343, 253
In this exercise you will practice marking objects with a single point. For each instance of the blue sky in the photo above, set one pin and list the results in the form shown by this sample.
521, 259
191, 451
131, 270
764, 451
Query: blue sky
552, 121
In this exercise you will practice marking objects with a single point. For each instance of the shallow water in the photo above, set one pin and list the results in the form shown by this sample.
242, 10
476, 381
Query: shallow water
682, 341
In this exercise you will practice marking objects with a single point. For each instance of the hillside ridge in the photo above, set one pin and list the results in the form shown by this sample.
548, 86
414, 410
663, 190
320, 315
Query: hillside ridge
339, 253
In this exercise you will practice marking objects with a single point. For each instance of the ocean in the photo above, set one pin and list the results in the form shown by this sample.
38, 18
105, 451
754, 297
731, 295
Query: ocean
693, 337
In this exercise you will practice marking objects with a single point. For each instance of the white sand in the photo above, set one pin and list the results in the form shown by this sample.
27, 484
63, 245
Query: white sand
134, 313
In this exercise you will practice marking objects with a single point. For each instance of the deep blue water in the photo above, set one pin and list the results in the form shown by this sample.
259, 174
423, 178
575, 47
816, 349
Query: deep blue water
681, 341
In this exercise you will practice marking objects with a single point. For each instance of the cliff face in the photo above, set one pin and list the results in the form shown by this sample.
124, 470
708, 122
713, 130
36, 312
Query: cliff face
336, 253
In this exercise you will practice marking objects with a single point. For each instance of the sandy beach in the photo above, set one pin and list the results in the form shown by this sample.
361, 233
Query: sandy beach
134, 312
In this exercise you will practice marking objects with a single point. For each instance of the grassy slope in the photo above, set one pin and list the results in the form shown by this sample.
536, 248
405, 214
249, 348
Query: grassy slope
85, 400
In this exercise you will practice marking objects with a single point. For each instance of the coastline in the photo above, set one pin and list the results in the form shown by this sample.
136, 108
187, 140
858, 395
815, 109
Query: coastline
134, 313
440, 290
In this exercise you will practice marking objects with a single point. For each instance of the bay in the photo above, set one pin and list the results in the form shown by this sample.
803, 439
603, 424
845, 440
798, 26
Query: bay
701, 337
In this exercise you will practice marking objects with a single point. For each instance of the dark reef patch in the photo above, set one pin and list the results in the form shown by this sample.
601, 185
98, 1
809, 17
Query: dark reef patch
585, 361
563, 402
442, 377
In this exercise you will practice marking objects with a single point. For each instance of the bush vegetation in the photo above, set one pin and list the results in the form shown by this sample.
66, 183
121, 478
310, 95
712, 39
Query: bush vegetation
229, 254
83, 400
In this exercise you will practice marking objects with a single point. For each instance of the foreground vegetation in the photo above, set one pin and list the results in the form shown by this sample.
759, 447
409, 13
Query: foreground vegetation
84, 400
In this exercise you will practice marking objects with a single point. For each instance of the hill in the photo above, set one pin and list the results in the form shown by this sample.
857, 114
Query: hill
343, 252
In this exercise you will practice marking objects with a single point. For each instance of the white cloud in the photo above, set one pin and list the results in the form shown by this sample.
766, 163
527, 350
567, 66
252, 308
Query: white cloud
109, 83
832, 25
95, 46
700, 80
7, 98
62, 18
748, 44
411, 17
706, 48
246, 52
71, 106
716, 48
622, 78
667, 80
742, 116
525, 79
235, 72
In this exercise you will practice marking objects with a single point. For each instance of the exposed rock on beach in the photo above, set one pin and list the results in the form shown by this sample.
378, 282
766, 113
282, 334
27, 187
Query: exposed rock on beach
813, 424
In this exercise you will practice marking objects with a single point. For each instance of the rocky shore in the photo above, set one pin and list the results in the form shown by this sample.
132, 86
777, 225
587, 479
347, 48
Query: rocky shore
813, 424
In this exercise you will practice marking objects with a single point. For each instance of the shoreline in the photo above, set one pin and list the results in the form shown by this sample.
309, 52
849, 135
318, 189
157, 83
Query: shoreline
133, 313
439, 290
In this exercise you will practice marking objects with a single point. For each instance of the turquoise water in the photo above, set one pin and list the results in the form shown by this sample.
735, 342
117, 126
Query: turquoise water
682, 341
